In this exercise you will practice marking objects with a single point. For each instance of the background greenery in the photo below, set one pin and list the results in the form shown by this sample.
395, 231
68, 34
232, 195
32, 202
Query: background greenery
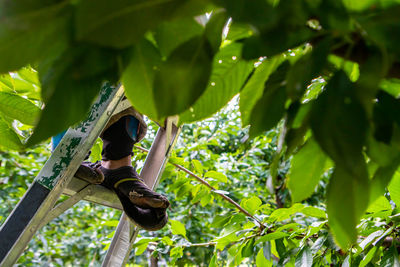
317, 81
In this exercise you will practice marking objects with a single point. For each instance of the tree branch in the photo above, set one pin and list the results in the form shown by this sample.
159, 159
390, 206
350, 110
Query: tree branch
214, 190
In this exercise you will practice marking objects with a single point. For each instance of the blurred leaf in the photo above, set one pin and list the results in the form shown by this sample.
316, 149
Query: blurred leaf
271, 236
370, 238
347, 199
183, 77
105, 23
367, 258
251, 204
305, 69
248, 248
394, 188
217, 176
284, 213
390, 258
304, 258
70, 87
213, 261
178, 228
214, 29
18, 108
339, 123
379, 204
308, 165
254, 88
269, 109
314, 212
261, 261
8, 138
170, 34
31, 30
139, 76
229, 73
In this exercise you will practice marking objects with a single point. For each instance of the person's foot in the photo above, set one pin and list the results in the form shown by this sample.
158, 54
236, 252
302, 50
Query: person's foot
90, 172
126, 181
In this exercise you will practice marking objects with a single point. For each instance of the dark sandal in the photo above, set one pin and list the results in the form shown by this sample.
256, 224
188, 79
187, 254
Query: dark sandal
90, 172
126, 181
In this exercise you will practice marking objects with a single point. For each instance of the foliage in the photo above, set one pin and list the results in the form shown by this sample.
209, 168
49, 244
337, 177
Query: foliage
325, 72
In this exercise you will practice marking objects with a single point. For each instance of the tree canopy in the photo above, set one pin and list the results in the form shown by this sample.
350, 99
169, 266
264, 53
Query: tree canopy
325, 73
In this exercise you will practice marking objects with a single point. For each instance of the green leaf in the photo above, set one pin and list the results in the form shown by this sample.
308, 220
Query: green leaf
31, 30
70, 87
170, 34
308, 165
248, 248
18, 108
394, 188
178, 228
314, 212
215, 27
213, 261
138, 78
176, 252
391, 86
254, 88
217, 176
261, 261
305, 69
339, 123
285, 213
251, 204
370, 238
8, 138
304, 258
270, 108
381, 178
390, 258
367, 258
229, 73
183, 77
347, 199
380, 204
271, 236
123, 22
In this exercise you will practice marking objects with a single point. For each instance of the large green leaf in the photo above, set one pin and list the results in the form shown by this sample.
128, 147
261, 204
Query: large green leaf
254, 88
8, 138
70, 87
228, 75
138, 78
170, 34
183, 77
18, 108
270, 108
308, 165
347, 200
31, 30
121, 23
339, 123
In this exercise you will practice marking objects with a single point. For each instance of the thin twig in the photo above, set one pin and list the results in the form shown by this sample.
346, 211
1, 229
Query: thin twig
213, 189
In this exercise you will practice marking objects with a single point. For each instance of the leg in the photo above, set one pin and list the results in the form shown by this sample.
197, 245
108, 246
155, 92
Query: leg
142, 205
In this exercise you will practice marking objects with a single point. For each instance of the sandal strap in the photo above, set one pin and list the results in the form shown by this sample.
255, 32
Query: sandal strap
126, 180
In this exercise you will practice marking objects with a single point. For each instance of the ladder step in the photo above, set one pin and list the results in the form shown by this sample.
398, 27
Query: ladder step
100, 195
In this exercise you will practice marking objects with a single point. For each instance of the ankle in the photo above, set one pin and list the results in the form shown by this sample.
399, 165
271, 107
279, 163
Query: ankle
115, 164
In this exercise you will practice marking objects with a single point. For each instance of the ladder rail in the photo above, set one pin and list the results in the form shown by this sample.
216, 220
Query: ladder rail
25, 219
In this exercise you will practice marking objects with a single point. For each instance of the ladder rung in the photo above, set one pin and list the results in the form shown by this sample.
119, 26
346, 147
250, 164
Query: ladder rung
100, 194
